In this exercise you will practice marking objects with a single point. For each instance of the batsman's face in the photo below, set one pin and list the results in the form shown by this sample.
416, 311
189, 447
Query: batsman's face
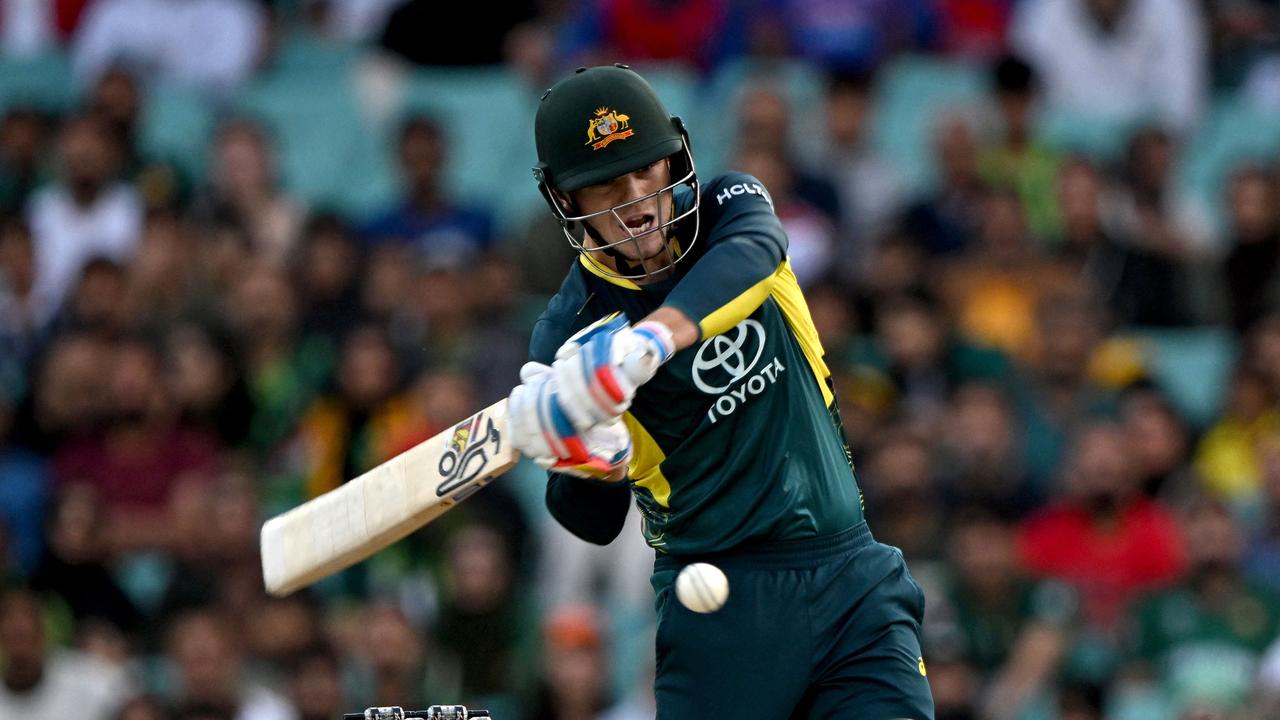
631, 218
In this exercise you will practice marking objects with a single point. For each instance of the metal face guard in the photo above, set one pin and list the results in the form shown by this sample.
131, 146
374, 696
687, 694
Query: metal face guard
566, 223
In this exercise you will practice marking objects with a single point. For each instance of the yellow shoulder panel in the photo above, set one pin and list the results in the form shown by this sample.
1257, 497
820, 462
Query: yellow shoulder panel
786, 292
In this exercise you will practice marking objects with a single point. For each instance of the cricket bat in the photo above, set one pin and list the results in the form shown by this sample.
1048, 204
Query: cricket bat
352, 522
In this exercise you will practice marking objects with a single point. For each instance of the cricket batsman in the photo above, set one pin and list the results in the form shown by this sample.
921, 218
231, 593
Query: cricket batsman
678, 365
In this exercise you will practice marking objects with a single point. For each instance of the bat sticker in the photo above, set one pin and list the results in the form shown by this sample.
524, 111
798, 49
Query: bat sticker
467, 453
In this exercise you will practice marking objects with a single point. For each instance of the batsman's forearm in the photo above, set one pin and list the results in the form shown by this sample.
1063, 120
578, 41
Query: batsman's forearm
594, 511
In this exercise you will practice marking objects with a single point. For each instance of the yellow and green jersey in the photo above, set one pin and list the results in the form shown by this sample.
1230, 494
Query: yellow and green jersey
737, 439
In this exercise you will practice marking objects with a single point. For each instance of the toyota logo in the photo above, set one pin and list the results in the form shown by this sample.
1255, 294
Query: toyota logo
725, 358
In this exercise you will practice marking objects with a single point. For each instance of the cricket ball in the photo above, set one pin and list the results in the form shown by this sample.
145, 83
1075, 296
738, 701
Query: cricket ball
702, 587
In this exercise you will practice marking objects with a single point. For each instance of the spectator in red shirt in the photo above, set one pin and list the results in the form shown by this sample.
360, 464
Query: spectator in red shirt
141, 455
1104, 537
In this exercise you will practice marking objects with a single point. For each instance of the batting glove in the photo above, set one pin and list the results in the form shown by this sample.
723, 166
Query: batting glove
541, 431
599, 369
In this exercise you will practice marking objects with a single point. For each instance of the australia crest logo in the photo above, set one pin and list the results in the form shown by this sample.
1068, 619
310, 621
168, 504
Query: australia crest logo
607, 125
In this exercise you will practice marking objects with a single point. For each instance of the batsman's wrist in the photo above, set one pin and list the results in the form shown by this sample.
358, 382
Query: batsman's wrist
658, 337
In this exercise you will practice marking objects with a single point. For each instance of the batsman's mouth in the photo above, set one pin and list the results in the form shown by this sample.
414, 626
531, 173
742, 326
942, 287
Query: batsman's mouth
640, 223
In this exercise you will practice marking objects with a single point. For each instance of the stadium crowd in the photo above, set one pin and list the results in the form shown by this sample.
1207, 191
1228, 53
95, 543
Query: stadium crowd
1058, 363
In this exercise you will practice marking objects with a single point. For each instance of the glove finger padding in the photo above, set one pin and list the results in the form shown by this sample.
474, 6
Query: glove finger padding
608, 449
522, 422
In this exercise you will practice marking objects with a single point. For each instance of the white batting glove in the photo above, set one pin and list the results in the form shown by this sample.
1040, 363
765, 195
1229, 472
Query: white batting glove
540, 430
599, 369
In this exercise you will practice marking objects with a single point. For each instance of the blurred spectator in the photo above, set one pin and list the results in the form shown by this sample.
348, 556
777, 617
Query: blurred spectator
118, 99
835, 317
24, 498
327, 267
207, 382
1251, 274
1229, 457
364, 422
316, 685
39, 683
1161, 442
1202, 640
981, 452
902, 493
575, 676
947, 219
87, 213
439, 230
244, 188
161, 280
1262, 351
20, 319
399, 663
74, 566
283, 632
29, 29
1151, 208
141, 455
974, 28
23, 138
1244, 42
211, 45
215, 548
994, 291
283, 371
96, 303
1262, 557
66, 402
481, 618
853, 35
811, 234
541, 252
204, 646
144, 707
1013, 630
1056, 394
1118, 59
1103, 537
695, 33
1122, 275
764, 129
475, 37
924, 360
1019, 160
871, 190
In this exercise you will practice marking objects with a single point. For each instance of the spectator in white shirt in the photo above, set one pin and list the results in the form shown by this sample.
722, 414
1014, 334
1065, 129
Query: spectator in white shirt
212, 45
1119, 59
37, 684
86, 214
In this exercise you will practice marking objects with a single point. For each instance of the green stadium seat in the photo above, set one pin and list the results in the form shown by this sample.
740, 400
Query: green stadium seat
44, 82
713, 122
1233, 132
302, 52
915, 93
487, 115
1192, 365
177, 126
1100, 138
329, 154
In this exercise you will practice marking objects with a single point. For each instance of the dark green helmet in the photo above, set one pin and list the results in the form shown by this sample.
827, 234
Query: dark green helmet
600, 123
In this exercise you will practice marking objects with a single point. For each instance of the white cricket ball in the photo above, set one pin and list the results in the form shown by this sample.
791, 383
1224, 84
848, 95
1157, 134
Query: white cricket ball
702, 587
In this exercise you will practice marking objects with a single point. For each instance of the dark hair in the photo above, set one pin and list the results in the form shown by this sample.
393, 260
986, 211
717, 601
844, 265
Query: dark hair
420, 123
1012, 75
847, 81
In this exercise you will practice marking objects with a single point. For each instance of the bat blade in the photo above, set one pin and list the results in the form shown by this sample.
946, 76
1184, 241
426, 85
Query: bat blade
352, 522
